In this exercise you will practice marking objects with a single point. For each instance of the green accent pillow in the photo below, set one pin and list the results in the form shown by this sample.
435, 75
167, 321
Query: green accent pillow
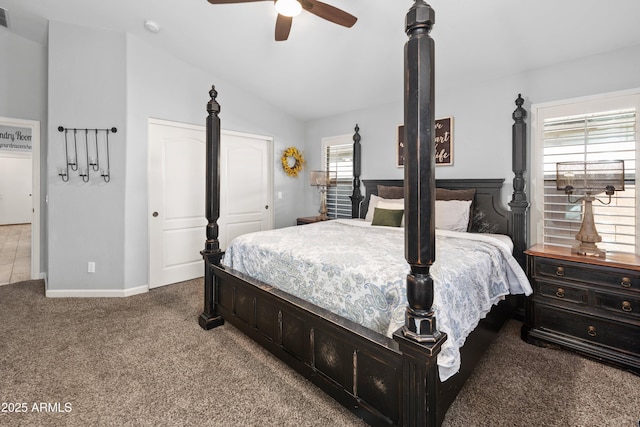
387, 217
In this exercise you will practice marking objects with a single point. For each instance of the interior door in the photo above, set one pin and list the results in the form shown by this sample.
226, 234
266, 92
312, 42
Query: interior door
246, 183
176, 201
16, 204
177, 194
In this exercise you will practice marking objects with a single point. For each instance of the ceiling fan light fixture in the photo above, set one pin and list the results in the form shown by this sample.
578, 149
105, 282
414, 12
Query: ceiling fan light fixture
288, 7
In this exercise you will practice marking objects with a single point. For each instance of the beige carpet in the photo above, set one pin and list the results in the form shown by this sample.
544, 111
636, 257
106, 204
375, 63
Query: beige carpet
144, 360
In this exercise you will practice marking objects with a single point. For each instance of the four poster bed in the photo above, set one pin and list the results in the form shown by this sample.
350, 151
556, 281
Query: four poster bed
386, 367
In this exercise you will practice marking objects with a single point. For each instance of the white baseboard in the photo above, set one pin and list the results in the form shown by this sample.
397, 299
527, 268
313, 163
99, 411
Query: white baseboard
95, 293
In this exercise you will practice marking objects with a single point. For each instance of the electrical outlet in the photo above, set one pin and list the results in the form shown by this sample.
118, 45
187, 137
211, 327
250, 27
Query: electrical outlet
91, 267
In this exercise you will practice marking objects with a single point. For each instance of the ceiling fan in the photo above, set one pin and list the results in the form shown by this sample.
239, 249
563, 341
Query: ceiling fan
287, 9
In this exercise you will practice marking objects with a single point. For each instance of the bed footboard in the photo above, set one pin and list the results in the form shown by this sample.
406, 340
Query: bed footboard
363, 370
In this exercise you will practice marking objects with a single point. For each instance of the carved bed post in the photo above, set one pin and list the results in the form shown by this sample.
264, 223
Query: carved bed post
419, 340
356, 195
519, 203
212, 254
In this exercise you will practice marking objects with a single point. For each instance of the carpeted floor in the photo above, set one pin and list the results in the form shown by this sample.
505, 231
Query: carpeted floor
144, 360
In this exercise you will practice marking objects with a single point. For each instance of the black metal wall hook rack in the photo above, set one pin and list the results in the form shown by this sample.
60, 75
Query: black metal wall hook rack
96, 142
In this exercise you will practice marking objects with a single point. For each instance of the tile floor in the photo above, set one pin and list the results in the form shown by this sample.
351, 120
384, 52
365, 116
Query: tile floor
15, 253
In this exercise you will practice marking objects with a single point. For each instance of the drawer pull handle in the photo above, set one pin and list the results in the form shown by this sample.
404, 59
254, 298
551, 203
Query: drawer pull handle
626, 306
591, 331
560, 271
626, 282
560, 293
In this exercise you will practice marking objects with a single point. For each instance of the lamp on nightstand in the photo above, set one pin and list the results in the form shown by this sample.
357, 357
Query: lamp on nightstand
590, 179
322, 180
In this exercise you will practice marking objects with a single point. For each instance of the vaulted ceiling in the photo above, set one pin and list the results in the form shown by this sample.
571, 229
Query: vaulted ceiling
325, 69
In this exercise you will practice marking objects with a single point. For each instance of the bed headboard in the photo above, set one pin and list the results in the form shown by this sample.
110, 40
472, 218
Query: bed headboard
489, 216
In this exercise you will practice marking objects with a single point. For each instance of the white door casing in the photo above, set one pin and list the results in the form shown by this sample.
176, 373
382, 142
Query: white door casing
177, 195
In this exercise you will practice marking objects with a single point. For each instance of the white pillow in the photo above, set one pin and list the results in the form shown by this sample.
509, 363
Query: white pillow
374, 202
391, 204
452, 214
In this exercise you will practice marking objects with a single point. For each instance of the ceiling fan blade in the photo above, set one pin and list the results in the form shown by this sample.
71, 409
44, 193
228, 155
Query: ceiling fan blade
283, 27
328, 12
233, 1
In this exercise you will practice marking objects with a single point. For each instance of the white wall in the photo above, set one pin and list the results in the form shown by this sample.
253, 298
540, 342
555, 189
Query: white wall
482, 116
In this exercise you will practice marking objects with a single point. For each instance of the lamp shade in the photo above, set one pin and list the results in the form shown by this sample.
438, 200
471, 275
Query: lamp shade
590, 177
322, 178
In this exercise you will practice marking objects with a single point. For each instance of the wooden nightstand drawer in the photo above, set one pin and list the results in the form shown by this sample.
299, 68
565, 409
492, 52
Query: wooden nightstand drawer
621, 336
590, 305
583, 273
561, 292
623, 305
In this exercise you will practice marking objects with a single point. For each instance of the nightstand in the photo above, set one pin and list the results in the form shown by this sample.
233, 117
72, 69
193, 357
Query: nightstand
586, 304
309, 220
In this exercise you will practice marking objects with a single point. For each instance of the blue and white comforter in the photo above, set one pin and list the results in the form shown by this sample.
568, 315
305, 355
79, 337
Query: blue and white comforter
360, 274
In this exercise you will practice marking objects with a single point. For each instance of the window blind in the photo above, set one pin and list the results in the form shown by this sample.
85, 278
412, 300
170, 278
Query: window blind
608, 135
339, 159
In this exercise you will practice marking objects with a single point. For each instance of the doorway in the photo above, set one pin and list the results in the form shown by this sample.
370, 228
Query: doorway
20, 198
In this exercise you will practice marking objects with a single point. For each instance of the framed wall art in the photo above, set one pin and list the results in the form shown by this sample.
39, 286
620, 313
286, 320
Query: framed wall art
443, 143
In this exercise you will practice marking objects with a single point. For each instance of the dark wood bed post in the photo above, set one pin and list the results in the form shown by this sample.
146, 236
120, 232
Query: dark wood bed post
419, 340
519, 203
356, 195
212, 254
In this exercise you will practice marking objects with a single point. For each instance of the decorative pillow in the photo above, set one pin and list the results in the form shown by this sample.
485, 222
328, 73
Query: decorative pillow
374, 201
465, 194
387, 192
446, 194
393, 204
452, 214
387, 217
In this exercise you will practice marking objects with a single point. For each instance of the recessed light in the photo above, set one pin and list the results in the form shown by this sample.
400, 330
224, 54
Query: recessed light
151, 26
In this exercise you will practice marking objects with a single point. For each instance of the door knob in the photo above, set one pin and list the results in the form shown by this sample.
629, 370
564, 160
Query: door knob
266, 206
155, 214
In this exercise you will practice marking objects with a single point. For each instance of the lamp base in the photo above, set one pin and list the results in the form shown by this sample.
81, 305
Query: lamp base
588, 249
323, 205
588, 235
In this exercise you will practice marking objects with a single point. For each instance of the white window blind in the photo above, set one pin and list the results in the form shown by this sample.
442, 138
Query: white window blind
339, 159
605, 135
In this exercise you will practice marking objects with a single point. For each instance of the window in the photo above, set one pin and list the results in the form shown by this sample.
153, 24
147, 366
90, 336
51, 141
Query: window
601, 129
337, 153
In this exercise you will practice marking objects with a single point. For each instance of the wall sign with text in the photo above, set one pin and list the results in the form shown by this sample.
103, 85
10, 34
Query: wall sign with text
15, 138
443, 143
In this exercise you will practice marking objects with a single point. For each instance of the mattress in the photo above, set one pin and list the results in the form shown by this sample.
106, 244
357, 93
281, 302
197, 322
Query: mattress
358, 271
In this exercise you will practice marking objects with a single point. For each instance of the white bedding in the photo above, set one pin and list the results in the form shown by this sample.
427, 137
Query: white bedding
360, 274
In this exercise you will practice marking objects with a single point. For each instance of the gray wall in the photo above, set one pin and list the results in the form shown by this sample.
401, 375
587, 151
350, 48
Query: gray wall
23, 95
161, 86
101, 79
87, 89
482, 116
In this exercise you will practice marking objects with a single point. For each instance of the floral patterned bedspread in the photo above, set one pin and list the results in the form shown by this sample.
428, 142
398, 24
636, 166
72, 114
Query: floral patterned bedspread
358, 271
